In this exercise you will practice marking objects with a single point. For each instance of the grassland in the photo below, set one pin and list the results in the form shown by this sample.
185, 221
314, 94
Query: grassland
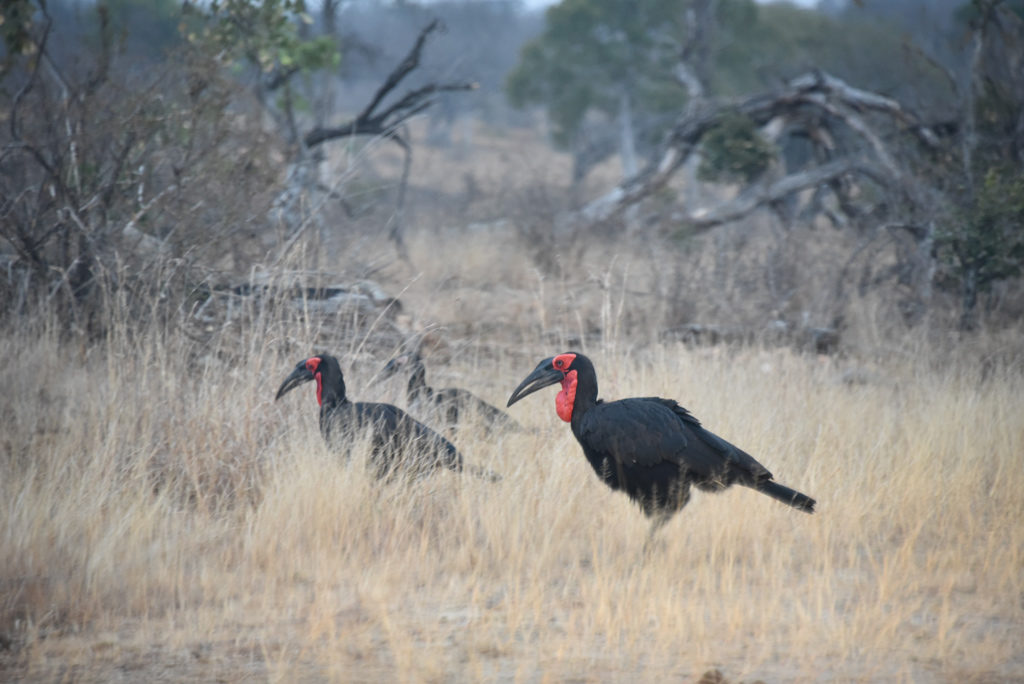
162, 518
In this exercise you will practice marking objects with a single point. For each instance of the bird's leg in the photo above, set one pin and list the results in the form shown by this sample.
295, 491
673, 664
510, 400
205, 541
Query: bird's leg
657, 523
660, 511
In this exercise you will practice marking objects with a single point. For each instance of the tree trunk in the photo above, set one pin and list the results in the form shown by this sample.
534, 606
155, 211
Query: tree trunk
627, 142
969, 301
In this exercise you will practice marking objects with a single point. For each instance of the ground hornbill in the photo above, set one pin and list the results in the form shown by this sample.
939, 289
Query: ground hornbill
397, 441
448, 405
649, 447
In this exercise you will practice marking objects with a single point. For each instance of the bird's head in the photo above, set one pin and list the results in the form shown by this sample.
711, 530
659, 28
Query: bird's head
314, 368
398, 364
563, 368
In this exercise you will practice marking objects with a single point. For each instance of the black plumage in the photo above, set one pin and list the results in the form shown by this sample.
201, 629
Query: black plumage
651, 448
448, 405
397, 440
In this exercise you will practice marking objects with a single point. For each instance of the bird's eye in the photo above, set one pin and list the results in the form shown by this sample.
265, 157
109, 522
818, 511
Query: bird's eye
559, 363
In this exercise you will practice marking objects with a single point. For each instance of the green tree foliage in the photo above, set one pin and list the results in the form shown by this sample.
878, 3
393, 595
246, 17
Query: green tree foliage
971, 13
593, 51
982, 242
734, 151
265, 33
271, 40
757, 45
985, 242
15, 30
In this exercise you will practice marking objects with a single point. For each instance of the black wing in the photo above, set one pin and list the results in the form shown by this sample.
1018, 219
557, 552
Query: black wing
454, 400
395, 433
648, 431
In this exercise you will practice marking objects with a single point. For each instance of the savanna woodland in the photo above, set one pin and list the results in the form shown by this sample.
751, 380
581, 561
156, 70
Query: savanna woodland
801, 222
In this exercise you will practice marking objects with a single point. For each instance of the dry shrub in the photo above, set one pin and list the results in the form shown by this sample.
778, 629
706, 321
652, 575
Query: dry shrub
116, 172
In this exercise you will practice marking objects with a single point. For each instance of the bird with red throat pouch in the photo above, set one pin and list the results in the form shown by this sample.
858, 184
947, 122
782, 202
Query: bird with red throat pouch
651, 448
397, 440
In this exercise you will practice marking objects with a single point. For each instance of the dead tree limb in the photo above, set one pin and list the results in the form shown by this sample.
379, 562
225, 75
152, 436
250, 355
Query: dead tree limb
386, 122
761, 194
829, 97
859, 137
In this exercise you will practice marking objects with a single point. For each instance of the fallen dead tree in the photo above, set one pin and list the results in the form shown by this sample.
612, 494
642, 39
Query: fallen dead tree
859, 139
321, 310
817, 104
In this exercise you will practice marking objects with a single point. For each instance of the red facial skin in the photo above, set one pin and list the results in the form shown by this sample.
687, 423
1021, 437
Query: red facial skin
312, 365
567, 397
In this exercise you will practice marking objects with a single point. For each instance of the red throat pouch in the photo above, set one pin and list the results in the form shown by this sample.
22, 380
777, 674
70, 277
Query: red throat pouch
567, 397
313, 366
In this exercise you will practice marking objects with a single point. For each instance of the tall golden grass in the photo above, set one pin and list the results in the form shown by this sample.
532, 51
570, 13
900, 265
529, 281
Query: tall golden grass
163, 517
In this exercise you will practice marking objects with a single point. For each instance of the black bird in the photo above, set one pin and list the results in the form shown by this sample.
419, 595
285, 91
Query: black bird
651, 448
397, 440
448, 404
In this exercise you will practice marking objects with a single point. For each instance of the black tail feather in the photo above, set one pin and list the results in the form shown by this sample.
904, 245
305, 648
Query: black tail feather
786, 495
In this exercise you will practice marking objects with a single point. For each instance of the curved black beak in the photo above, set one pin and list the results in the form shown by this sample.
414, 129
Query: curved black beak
543, 375
298, 376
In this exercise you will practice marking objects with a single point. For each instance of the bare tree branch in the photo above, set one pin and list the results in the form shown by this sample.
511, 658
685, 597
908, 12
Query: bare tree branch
404, 68
690, 70
817, 91
863, 100
765, 193
386, 122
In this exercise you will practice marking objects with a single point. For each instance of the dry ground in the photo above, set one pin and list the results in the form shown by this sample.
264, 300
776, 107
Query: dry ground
162, 518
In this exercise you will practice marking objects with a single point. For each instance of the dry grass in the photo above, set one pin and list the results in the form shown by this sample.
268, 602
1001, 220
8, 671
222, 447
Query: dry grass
163, 518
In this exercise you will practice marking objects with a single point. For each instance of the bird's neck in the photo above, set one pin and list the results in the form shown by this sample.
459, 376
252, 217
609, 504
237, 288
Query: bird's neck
578, 395
330, 401
330, 391
417, 388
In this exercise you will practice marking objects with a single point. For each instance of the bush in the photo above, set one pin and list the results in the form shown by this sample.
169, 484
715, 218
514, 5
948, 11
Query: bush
986, 242
734, 151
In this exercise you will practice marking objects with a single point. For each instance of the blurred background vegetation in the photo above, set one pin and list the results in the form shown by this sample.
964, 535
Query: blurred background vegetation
162, 150
802, 221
